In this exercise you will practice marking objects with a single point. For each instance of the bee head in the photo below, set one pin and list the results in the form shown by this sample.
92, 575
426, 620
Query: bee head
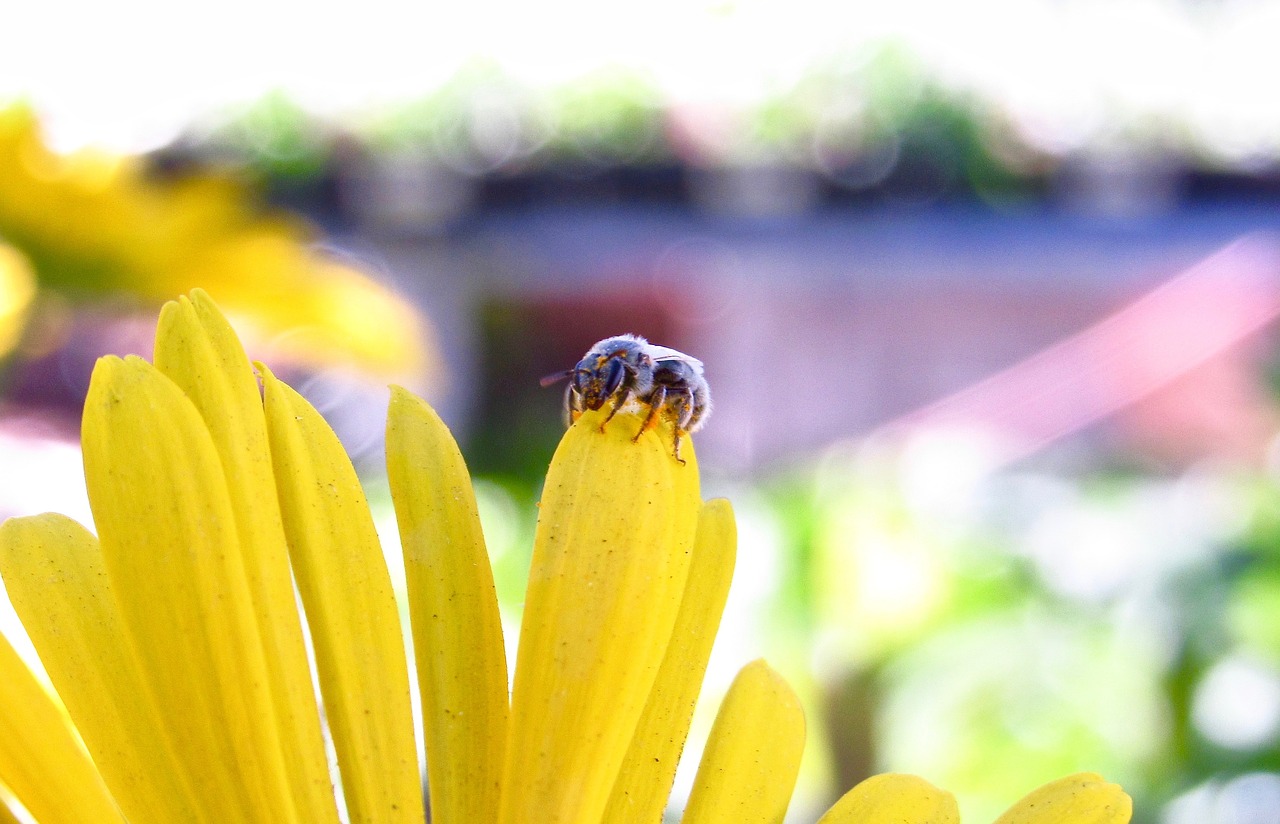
598, 377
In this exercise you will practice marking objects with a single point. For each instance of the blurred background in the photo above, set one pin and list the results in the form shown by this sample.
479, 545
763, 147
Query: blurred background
987, 295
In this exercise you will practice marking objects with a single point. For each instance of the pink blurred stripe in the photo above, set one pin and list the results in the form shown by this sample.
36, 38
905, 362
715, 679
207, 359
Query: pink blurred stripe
1190, 318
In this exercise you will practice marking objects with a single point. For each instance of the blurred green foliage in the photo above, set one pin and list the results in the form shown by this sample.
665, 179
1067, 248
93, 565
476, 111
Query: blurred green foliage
951, 638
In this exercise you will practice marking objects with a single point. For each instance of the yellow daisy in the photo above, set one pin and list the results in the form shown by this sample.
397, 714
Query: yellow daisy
175, 645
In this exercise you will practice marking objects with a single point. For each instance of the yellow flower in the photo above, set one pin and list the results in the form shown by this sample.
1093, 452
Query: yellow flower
175, 645
96, 224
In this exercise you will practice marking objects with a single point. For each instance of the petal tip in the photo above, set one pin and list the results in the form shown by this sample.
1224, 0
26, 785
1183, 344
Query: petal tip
109, 370
1086, 796
894, 797
204, 307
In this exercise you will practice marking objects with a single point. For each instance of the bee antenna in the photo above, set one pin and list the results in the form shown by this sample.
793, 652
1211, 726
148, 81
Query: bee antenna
557, 377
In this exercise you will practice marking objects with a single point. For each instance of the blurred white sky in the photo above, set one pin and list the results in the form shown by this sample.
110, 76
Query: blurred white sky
131, 73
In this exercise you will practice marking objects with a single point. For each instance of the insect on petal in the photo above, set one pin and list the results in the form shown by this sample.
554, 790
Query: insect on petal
610, 560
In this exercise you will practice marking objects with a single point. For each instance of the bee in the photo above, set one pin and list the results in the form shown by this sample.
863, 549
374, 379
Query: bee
628, 371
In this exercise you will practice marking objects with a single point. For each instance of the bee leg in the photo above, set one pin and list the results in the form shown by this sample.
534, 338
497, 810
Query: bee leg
686, 409
655, 403
622, 399
626, 392
682, 423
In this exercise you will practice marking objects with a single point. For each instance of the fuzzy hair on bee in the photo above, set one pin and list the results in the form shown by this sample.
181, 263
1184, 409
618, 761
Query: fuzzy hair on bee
629, 373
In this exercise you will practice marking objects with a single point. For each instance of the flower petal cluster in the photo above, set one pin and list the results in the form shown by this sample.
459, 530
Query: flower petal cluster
174, 641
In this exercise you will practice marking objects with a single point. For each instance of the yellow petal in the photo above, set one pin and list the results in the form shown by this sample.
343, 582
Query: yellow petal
457, 631
197, 349
749, 767
171, 551
610, 559
894, 799
41, 762
53, 571
645, 781
1083, 798
351, 611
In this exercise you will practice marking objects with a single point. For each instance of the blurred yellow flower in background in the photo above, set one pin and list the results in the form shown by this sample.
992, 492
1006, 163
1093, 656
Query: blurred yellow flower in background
174, 642
96, 226
17, 292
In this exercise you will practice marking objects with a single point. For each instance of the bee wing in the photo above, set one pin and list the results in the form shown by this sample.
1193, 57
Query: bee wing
663, 353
